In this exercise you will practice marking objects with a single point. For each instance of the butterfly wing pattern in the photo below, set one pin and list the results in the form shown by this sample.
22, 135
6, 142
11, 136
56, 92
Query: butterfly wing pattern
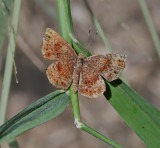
87, 74
60, 73
91, 83
55, 48
109, 66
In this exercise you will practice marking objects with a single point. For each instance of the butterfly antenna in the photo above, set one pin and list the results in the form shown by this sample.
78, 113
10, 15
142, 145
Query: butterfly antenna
89, 31
89, 34
92, 39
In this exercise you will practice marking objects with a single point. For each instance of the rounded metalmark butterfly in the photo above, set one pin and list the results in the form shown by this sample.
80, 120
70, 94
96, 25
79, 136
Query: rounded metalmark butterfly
86, 73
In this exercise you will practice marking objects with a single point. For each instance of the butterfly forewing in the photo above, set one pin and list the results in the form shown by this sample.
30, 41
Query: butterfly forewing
91, 83
60, 73
55, 47
109, 66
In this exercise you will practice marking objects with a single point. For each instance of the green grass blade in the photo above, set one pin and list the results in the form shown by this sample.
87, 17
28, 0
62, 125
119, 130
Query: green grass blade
29, 109
5, 9
9, 61
141, 116
37, 113
150, 25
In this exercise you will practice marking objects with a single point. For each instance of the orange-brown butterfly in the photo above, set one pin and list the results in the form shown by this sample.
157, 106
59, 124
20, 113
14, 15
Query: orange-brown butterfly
86, 73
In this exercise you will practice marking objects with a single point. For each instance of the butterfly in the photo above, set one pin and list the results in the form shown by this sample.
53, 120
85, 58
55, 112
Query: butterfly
86, 73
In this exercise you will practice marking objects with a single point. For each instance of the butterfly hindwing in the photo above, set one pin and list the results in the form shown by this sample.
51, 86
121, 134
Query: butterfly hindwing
55, 47
60, 73
91, 84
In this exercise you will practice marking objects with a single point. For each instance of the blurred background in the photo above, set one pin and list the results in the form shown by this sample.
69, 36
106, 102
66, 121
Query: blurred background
125, 27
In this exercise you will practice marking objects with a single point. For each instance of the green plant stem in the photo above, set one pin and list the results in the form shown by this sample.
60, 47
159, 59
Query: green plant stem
75, 104
66, 29
9, 61
99, 28
5, 9
65, 23
89, 130
150, 25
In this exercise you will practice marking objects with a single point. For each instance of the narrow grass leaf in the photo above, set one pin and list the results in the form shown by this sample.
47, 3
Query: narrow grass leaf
5, 9
150, 25
142, 117
37, 113
9, 61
